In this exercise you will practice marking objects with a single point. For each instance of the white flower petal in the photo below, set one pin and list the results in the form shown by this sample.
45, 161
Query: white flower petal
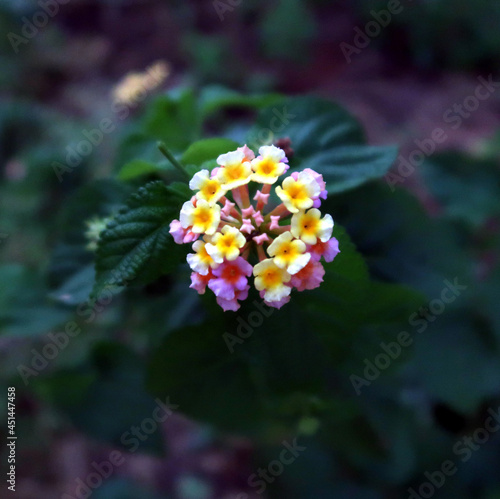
198, 180
299, 263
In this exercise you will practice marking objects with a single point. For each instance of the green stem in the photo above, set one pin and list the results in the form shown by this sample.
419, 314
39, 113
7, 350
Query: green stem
163, 149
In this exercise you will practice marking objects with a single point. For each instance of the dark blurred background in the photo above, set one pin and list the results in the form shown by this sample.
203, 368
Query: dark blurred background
62, 77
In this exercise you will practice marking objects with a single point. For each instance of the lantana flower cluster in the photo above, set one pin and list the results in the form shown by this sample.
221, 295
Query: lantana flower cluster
228, 231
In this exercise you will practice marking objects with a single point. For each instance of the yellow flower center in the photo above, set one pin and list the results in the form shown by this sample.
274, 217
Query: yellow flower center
297, 192
210, 188
288, 252
267, 167
202, 216
228, 240
272, 277
310, 224
235, 172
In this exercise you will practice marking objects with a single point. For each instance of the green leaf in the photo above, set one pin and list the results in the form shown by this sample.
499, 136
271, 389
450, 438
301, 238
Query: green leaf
334, 310
311, 123
348, 303
248, 386
400, 242
265, 366
136, 245
327, 139
207, 150
467, 188
346, 427
344, 168
194, 367
214, 98
391, 303
384, 313
173, 119
177, 118
137, 147
206, 165
468, 372
140, 168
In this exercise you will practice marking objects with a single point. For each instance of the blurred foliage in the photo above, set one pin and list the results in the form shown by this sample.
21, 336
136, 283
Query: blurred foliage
458, 35
293, 375
142, 333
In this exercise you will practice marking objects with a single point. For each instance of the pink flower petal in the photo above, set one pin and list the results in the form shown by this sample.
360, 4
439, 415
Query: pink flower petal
247, 226
310, 277
274, 222
263, 238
